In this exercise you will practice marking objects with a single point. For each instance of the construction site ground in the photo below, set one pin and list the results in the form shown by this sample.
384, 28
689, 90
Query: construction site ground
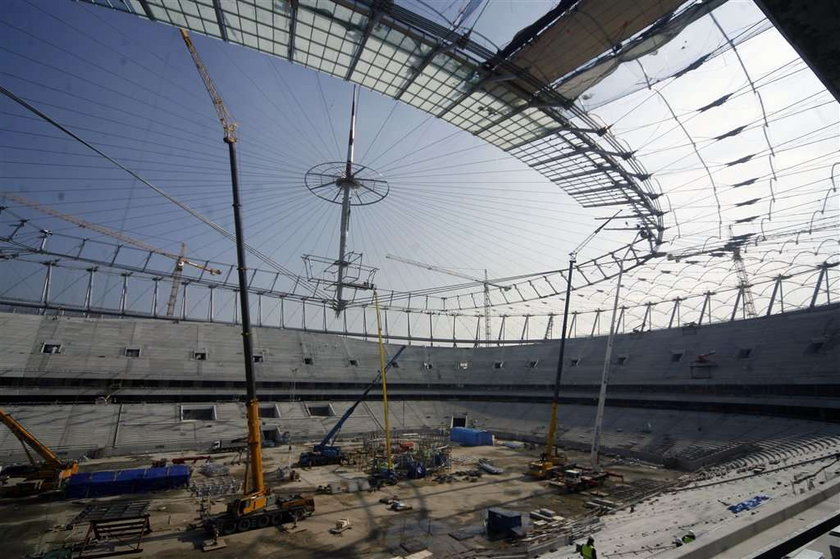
36, 525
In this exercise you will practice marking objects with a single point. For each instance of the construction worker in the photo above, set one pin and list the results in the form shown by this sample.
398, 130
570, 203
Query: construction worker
587, 550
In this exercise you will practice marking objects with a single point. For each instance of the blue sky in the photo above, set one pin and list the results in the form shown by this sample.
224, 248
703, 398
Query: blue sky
129, 87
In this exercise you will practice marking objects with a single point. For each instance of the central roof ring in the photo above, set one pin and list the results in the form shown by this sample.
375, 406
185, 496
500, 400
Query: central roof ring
328, 181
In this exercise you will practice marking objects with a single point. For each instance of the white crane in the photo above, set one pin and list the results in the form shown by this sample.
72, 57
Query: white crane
485, 282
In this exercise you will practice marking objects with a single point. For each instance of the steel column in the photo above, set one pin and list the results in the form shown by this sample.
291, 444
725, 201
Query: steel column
89, 291
605, 373
124, 292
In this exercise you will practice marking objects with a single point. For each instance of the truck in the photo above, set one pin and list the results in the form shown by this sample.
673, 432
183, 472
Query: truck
580, 479
284, 510
326, 452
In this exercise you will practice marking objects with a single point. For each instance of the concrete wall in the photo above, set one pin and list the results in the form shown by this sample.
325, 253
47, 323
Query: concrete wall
780, 352
648, 434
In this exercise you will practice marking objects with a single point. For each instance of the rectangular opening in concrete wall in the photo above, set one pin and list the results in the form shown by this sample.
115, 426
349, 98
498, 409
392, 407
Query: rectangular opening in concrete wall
677, 355
51, 349
744, 353
308, 361
622, 360
269, 410
274, 436
459, 421
258, 358
354, 362
320, 410
132, 352
464, 365
533, 364
198, 413
574, 361
200, 355
499, 365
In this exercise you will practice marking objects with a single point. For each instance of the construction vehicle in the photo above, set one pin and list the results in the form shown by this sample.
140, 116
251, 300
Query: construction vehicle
548, 467
49, 475
238, 519
254, 508
576, 480
325, 452
341, 525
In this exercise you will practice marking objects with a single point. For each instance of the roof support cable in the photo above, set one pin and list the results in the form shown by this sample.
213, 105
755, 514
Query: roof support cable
195, 213
763, 112
694, 146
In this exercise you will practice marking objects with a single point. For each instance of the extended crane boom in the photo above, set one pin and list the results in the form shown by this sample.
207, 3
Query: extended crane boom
252, 509
108, 232
53, 472
485, 282
545, 466
445, 271
326, 452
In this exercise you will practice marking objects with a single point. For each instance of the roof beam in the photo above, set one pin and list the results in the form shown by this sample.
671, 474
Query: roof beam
373, 19
490, 78
415, 72
147, 10
292, 29
220, 18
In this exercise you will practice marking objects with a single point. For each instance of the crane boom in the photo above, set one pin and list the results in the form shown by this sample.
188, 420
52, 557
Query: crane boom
30, 440
221, 110
106, 231
329, 439
256, 492
444, 271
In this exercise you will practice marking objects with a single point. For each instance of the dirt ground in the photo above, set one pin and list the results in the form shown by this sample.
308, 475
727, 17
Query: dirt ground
35, 525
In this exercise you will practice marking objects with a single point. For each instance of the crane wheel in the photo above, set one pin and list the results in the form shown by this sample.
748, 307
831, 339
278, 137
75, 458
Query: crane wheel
277, 518
228, 527
244, 525
264, 521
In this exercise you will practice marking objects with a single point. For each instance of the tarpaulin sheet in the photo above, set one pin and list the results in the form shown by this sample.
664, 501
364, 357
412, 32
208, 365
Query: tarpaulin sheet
121, 482
748, 504
470, 437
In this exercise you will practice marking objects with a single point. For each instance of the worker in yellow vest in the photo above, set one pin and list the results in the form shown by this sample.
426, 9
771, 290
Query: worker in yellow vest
587, 550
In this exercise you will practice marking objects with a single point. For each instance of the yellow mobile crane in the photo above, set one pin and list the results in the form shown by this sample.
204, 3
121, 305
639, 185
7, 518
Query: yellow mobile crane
253, 509
549, 465
45, 476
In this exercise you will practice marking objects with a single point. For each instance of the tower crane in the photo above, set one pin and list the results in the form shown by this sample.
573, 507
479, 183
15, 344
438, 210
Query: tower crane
253, 508
180, 258
485, 282
733, 245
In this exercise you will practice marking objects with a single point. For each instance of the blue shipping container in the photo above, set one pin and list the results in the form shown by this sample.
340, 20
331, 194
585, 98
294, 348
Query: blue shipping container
122, 482
470, 437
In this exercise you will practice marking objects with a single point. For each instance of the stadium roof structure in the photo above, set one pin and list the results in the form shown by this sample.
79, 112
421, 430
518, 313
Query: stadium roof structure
537, 98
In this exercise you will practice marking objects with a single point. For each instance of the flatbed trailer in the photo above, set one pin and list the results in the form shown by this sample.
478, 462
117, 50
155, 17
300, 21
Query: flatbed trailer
284, 511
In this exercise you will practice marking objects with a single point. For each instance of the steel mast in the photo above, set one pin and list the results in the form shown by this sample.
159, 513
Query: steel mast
347, 183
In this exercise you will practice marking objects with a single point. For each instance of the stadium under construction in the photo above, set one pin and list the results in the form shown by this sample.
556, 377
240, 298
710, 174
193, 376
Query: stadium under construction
382, 278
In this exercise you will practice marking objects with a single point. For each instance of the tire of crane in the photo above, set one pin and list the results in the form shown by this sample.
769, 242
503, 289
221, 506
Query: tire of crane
244, 524
264, 521
298, 514
277, 518
227, 527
